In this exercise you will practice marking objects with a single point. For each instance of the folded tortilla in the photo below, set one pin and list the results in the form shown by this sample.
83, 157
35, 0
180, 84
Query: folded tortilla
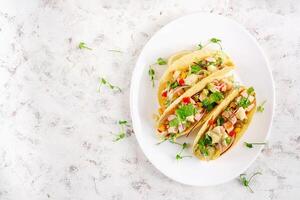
184, 65
203, 99
177, 55
215, 136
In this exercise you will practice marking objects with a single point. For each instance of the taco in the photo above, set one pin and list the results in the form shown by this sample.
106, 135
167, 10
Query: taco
187, 69
226, 125
177, 55
193, 108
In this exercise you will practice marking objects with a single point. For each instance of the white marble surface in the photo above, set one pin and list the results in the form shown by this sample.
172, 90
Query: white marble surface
55, 128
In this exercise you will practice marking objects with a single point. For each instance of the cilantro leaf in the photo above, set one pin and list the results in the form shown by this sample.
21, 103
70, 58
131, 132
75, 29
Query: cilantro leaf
215, 97
195, 69
244, 102
184, 111
174, 122
202, 148
250, 90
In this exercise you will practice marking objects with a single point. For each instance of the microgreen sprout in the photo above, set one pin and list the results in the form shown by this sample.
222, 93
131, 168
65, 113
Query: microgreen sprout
82, 45
246, 181
109, 85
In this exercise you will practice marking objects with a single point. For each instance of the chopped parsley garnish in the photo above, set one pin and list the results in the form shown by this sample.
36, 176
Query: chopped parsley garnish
109, 85
151, 73
161, 61
82, 45
246, 181
250, 145
261, 107
184, 111
195, 69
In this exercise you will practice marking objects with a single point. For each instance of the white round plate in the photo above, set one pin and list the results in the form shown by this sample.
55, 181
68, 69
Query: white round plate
252, 69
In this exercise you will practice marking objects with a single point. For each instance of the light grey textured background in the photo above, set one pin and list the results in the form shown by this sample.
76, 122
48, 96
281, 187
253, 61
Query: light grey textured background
55, 128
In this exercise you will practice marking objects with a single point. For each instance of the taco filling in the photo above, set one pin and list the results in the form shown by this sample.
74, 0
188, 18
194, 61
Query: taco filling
222, 131
191, 110
182, 80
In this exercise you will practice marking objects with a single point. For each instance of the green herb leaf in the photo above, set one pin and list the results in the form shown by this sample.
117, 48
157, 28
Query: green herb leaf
220, 121
200, 46
202, 148
120, 136
195, 69
109, 85
219, 61
215, 97
250, 145
122, 133
250, 90
184, 111
261, 108
184, 145
151, 73
207, 140
174, 85
174, 122
161, 61
244, 102
82, 45
228, 140
246, 182
215, 40
210, 102
122, 122
179, 156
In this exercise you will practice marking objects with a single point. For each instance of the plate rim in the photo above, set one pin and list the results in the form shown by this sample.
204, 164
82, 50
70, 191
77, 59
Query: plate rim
134, 85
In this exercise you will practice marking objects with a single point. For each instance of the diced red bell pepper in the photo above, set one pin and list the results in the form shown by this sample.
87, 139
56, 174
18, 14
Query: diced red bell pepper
186, 100
181, 82
164, 94
211, 122
232, 133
